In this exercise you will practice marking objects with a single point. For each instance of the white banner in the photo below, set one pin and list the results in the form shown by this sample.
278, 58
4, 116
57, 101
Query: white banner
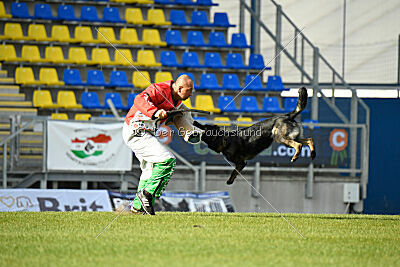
87, 146
54, 200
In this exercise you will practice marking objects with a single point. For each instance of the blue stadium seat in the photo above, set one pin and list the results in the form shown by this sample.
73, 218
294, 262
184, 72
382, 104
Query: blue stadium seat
20, 10
249, 104
208, 81
91, 100
89, 13
271, 104
43, 11
163, 2
289, 103
184, 2
119, 79
72, 77
221, 20
66, 12
253, 85
217, 39
199, 18
234, 61
231, 82
174, 37
111, 14
206, 3
191, 60
274, 83
256, 62
188, 74
239, 40
226, 103
168, 58
199, 118
213, 60
195, 38
95, 78
131, 99
178, 17
116, 100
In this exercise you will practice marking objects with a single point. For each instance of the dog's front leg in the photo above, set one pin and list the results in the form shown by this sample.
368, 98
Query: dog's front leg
310, 143
238, 168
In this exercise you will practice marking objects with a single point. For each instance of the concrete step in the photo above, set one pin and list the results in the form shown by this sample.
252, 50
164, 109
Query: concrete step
7, 81
12, 96
15, 104
6, 112
9, 89
24, 135
26, 150
5, 126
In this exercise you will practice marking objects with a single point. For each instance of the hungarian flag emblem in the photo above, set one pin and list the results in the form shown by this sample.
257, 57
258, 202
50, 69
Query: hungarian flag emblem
91, 146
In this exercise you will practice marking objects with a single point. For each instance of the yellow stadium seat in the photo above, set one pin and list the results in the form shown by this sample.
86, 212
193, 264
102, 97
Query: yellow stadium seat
13, 31
66, 99
135, 16
152, 37
139, 81
144, 2
147, 58
82, 116
122, 59
83, 34
244, 119
187, 103
129, 36
107, 33
59, 116
205, 102
77, 55
101, 56
7, 53
3, 13
54, 54
156, 16
49, 76
37, 32
221, 121
24, 75
42, 99
60, 33
163, 76
31, 53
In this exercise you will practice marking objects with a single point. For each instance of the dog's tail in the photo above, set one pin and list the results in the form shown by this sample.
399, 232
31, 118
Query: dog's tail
301, 103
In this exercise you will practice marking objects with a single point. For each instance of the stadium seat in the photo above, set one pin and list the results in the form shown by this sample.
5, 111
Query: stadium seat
222, 121
163, 76
152, 37
271, 104
13, 31
168, 59
256, 61
3, 13
289, 103
191, 60
59, 116
174, 37
7, 53
135, 16
187, 103
101, 56
66, 99
190, 75
66, 12
184, 2
42, 99
239, 40
139, 81
156, 17
221, 20
274, 83
199, 18
82, 116
77, 55
129, 36
43, 11
106, 34
213, 60
206, 3
144, 2
37, 32
95, 78
89, 13
49, 76
195, 38
111, 14
91, 100
54, 54
24, 75
208, 81
244, 119
118, 79
230, 82
253, 82
205, 102
123, 57
131, 99
60, 33
31, 53
73, 77
147, 58
178, 17
217, 39
20, 10
234, 61
227, 104
83, 34
249, 104
116, 100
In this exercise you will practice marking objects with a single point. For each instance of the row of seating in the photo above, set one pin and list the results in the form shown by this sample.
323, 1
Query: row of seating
77, 117
112, 15
215, 39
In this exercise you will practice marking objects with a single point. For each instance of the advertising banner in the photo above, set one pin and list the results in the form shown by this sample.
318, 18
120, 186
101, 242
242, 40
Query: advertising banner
87, 146
54, 200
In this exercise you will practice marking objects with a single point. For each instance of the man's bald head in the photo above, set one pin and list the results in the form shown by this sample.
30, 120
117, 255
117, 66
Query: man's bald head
183, 87
184, 80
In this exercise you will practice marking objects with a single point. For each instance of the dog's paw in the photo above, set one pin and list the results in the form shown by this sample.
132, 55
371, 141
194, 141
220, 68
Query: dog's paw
294, 159
230, 181
313, 155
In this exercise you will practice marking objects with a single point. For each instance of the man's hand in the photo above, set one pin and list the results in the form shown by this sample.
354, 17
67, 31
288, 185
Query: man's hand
161, 114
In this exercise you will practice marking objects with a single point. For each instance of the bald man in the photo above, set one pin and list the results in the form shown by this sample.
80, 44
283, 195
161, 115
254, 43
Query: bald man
156, 162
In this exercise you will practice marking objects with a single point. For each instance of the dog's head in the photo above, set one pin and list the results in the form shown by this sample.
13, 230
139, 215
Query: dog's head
213, 136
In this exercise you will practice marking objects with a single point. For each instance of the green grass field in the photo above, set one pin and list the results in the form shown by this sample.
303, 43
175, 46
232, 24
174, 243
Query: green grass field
197, 239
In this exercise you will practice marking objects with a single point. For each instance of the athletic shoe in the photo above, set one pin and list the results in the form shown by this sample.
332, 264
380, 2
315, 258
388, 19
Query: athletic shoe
147, 202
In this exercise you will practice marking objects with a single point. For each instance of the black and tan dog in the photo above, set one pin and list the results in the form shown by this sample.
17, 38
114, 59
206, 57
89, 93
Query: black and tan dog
244, 144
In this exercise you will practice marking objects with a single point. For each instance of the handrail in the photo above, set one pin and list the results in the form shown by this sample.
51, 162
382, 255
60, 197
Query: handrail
11, 136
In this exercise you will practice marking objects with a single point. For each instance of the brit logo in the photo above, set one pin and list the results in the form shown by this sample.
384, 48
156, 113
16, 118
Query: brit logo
90, 146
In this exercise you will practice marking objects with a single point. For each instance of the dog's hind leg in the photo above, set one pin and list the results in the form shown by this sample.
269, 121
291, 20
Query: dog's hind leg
310, 143
296, 145
238, 168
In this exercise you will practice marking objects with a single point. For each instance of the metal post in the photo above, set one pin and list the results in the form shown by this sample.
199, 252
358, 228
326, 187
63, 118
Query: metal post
314, 107
353, 131
310, 181
203, 176
255, 27
241, 17
44, 142
256, 181
196, 180
84, 184
43, 181
398, 62
12, 142
5, 165
278, 43
344, 38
